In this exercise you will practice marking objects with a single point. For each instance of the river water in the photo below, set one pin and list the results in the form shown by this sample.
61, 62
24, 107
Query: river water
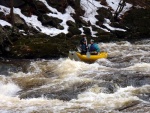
118, 84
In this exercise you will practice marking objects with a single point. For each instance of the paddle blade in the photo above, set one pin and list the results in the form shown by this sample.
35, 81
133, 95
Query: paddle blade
79, 49
88, 54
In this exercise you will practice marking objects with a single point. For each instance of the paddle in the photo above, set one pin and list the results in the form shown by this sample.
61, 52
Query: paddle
78, 48
88, 53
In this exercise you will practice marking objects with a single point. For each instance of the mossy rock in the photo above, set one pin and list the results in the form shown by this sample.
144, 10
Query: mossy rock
59, 5
104, 13
101, 31
35, 48
79, 21
49, 21
1, 29
120, 34
100, 18
118, 25
42, 46
69, 34
2, 15
74, 30
99, 23
70, 23
83, 22
19, 22
42, 8
87, 31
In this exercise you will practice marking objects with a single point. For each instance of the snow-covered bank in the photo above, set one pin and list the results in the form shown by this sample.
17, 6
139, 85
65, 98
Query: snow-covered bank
89, 6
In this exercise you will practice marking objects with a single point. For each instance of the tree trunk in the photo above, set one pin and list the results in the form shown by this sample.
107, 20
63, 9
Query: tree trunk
12, 13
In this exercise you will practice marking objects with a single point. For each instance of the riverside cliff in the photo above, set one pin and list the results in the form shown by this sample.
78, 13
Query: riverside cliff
49, 29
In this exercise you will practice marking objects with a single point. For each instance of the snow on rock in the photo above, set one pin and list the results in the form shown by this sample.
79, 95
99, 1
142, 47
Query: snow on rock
90, 7
5, 11
114, 4
4, 23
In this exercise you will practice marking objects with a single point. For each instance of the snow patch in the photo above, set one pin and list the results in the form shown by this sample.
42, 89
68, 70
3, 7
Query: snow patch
4, 23
114, 4
90, 7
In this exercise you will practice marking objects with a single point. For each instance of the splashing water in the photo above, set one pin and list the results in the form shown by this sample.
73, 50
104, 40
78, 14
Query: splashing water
119, 83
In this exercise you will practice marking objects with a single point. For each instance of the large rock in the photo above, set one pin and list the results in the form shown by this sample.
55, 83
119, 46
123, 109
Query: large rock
7, 3
41, 7
59, 5
105, 13
74, 30
87, 30
41, 46
33, 7
83, 22
50, 21
65, 94
70, 23
19, 22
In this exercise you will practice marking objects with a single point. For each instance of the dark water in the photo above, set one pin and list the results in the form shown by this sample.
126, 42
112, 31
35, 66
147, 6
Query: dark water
118, 84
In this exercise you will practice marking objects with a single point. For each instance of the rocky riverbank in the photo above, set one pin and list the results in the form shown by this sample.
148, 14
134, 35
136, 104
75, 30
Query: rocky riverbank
26, 41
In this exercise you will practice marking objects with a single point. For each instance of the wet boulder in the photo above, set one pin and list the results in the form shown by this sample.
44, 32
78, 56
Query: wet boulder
136, 108
66, 93
127, 78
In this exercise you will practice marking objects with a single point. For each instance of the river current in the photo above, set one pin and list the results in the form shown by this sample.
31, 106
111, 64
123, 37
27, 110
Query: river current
118, 84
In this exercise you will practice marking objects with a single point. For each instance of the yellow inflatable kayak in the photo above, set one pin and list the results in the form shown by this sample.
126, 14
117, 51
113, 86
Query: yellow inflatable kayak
86, 58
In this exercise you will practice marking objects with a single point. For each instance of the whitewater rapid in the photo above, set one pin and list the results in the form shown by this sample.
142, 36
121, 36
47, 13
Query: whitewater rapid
118, 84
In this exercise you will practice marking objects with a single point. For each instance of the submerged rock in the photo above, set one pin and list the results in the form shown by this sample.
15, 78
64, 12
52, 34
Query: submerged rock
61, 93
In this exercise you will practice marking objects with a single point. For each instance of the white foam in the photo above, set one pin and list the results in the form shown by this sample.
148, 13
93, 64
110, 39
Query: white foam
8, 89
123, 96
142, 67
